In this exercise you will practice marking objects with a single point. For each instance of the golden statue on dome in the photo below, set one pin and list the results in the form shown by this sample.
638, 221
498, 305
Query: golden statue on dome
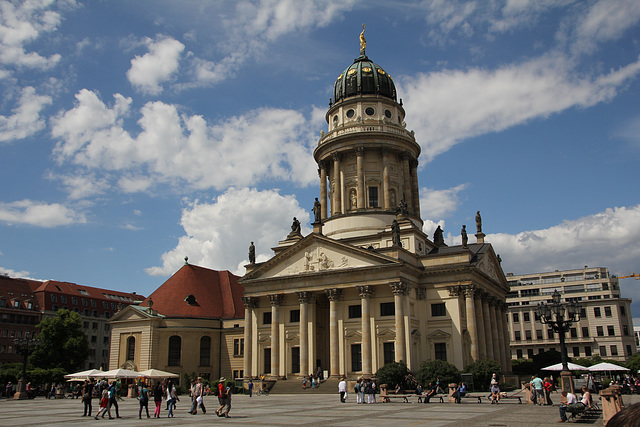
363, 41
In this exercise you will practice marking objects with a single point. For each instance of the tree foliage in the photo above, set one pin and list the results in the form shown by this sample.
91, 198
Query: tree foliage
634, 364
63, 342
393, 374
431, 370
37, 376
482, 371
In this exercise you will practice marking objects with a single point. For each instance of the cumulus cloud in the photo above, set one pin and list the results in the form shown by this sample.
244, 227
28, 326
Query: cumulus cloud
260, 145
218, 234
457, 104
81, 185
157, 66
439, 203
25, 120
16, 274
38, 214
603, 22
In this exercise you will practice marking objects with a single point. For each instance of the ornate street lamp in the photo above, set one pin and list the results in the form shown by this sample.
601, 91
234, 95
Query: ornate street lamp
560, 317
24, 346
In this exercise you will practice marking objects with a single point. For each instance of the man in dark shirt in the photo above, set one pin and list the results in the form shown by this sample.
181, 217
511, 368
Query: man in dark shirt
430, 392
87, 392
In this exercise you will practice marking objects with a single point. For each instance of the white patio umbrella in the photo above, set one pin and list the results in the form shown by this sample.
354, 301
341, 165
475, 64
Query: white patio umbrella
118, 373
156, 373
84, 374
571, 366
606, 367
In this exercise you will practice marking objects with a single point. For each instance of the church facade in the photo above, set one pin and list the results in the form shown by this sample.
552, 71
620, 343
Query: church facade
368, 286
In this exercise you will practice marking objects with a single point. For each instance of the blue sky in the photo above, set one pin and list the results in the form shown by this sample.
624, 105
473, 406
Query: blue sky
133, 134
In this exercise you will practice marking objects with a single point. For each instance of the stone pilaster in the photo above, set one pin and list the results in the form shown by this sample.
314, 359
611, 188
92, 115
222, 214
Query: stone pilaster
323, 191
303, 299
336, 202
487, 326
365, 293
469, 298
249, 304
275, 301
400, 291
360, 175
480, 321
334, 296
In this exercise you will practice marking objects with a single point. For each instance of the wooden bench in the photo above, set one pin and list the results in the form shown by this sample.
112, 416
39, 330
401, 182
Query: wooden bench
501, 398
422, 399
386, 398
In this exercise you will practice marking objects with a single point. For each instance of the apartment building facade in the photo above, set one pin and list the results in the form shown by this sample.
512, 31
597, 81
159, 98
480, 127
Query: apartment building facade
605, 327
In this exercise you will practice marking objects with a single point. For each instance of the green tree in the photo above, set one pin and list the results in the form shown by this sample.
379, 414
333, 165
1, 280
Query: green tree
63, 342
431, 370
482, 371
393, 374
634, 364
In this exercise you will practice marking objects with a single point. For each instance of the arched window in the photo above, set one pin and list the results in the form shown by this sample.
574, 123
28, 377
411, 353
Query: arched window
131, 348
175, 346
205, 351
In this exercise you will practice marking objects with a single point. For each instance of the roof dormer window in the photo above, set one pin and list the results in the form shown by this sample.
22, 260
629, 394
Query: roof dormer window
191, 300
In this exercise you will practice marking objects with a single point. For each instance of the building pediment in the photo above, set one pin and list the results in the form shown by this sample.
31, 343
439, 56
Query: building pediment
317, 254
439, 334
490, 265
134, 313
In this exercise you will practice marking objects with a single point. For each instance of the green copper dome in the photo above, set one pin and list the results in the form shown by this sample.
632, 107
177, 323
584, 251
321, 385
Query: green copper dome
363, 77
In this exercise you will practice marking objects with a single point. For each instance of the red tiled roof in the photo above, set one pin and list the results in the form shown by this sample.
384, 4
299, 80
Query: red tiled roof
18, 289
217, 294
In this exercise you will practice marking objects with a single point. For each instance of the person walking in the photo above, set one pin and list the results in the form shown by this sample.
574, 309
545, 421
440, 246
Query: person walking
87, 391
250, 386
225, 395
356, 391
342, 389
537, 390
104, 405
548, 386
192, 393
112, 400
172, 398
144, 400
157, 398
199, 398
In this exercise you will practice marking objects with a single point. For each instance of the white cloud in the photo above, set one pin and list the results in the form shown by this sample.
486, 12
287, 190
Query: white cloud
455, 104
150, 70
218, 234
16, 274
25, 120
38, 214
81, 185
605, 21
21, 24
439, 203
131, 227
181, 149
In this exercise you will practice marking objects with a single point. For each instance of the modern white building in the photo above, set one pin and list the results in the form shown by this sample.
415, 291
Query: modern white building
605, 326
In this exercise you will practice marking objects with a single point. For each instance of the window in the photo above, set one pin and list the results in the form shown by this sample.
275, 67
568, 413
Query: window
63, 300
574, 332
84, 302
440, 349
387, 309
587, 351
610, 330
527, 335
628, 350
529, 353
356, 357
266, 318
175, 347
93, 303
94, 339
238, 347
105, 305
519, 354
625, 330
614, 350
131, 348
516, 318
607, 311
439, 309
526, 317
596, 312
623, 312
295, 360
54, 298
603, 350
205, 351
539, 334
105, 340
550, 334
355, 311
576, 351
294, 316
585, 331
373, 197
583, 312
600, 331
517, 335
389, 352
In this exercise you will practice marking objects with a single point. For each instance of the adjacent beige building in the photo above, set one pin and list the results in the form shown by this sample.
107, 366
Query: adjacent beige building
605, 327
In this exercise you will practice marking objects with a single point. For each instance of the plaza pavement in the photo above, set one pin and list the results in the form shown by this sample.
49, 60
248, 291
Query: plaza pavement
296, 409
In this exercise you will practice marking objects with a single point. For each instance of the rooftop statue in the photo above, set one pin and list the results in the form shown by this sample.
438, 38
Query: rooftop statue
317, 208
465, 239
363, 41
252, 254
479, 222
438, 237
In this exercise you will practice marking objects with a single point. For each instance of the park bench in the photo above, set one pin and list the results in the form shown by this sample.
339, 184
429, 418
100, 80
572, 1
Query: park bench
502, 397
386, 398
421, 399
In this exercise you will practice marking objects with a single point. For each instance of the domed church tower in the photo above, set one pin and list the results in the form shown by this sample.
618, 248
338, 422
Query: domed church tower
368, 287
367, 160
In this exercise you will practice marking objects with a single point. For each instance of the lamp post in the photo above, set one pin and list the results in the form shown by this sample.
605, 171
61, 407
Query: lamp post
24, 346
560, 316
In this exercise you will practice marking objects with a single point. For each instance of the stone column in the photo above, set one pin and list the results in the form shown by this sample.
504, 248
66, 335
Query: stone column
386, 196
366, 292
503, 317
487, 326
323, 191
400, 290
336, 202
275, 301
249, 305
408, 192
482, 341
469, 295
334, 296
497, 350
501, 335
416, 188
303, 299
360, 172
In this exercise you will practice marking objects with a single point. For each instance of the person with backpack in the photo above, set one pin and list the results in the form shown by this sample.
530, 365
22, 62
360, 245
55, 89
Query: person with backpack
157, 398
356, 390
224, 396
144, 400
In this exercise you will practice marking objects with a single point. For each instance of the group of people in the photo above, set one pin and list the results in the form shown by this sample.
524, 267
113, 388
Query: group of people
365, 390
541, 390
571, 404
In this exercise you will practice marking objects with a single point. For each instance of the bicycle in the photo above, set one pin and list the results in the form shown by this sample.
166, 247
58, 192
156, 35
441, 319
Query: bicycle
262, 392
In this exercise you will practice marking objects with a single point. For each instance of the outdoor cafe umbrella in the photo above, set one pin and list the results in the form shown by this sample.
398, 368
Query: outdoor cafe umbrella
571, 366
156, 373
83, 374
606, 367
118, 373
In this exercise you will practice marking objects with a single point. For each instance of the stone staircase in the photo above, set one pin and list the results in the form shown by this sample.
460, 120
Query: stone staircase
294, 386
